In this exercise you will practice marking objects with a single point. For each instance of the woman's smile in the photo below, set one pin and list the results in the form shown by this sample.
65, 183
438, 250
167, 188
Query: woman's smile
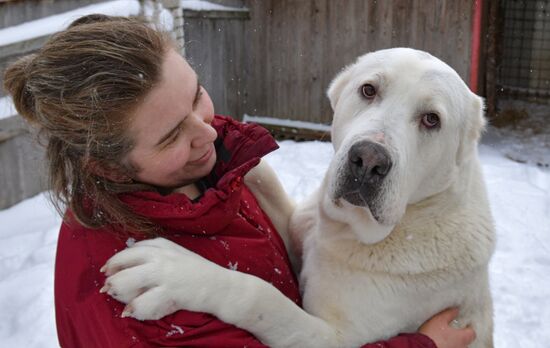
204, 158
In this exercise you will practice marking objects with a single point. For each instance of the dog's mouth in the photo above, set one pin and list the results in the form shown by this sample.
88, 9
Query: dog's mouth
369, 228
357, 199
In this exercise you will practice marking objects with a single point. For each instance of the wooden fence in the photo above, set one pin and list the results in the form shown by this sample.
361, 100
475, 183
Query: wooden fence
22, 172
215, 46
19, 11
22, 165
291, 49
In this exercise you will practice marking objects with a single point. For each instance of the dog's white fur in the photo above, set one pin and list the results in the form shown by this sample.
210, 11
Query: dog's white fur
363, 279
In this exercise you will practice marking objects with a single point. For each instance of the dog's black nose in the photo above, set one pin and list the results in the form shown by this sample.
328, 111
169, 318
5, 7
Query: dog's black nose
369, 162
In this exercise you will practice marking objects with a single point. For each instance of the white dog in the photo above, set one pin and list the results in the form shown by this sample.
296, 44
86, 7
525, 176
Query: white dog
399, 229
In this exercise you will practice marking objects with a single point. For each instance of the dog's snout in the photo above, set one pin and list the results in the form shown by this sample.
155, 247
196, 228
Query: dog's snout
369, 162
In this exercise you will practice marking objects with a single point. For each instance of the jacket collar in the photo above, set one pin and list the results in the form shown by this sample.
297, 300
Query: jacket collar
239, 148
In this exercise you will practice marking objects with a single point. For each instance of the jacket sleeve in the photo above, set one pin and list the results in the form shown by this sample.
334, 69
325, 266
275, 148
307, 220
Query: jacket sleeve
409, 340
97, 329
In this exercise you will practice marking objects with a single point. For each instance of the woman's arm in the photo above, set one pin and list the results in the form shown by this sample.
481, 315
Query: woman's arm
274, 201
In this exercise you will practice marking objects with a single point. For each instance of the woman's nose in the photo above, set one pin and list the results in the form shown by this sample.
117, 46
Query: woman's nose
204, 132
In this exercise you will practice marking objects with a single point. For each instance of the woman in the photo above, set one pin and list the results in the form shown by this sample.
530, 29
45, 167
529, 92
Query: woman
134, 152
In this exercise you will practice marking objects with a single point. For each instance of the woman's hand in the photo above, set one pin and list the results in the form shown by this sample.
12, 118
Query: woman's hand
158, 277
441, 329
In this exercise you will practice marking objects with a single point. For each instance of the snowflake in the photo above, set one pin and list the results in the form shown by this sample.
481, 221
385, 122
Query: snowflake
232, 266
176, 330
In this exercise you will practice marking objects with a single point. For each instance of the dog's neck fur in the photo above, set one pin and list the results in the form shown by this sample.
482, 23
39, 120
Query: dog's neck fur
426, 250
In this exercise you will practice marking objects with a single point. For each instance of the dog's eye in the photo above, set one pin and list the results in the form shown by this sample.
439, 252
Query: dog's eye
368, 91
430, 120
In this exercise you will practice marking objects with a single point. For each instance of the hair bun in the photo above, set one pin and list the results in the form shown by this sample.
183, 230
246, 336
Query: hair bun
92, 18
16, 79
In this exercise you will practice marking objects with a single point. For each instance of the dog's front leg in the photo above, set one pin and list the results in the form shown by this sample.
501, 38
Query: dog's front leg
261, 309
175, 278
303, 221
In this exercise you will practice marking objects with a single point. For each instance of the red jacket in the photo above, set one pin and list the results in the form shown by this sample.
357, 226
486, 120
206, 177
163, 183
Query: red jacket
226, 226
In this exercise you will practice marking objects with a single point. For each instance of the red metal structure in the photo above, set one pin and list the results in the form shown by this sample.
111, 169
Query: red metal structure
475, 46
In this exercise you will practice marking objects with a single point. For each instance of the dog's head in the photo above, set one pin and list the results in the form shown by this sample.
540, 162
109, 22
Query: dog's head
404, 123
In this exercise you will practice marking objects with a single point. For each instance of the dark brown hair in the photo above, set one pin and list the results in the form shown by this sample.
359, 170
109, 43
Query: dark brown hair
78, 91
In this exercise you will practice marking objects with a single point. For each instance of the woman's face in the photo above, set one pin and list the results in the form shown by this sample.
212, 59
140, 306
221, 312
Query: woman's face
173, 138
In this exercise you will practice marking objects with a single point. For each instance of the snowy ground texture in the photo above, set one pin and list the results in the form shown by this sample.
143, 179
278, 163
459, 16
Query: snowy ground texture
520, 269
521, 131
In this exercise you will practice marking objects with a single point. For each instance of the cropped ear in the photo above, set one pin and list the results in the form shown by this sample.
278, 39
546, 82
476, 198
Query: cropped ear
473, 128
111, 172
337, 85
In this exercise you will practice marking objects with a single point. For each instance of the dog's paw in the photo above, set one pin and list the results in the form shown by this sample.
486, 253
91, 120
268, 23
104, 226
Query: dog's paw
152, 304
158, 277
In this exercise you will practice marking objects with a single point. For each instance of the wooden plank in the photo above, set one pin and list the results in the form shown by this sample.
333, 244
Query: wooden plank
294, 48
11, 127
234, 14
21, 47
22, 172
17, 12
214, 47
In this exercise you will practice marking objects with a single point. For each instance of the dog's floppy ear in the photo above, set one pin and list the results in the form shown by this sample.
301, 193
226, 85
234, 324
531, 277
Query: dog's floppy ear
337, 85
472, 130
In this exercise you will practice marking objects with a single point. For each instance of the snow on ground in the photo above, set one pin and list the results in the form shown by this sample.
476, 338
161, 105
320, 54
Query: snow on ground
520, 269
28, 235
286, 123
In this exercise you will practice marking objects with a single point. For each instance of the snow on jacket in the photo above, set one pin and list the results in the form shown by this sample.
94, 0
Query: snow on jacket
225, 225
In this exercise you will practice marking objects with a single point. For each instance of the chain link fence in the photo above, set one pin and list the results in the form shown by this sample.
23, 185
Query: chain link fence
524, 69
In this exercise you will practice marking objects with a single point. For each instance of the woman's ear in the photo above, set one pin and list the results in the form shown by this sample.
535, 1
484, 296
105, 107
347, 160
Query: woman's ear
112, 172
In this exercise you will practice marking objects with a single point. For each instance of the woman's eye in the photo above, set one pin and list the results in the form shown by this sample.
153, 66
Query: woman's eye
171, 141
368, 91
431, 120
198, 98
173, 138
